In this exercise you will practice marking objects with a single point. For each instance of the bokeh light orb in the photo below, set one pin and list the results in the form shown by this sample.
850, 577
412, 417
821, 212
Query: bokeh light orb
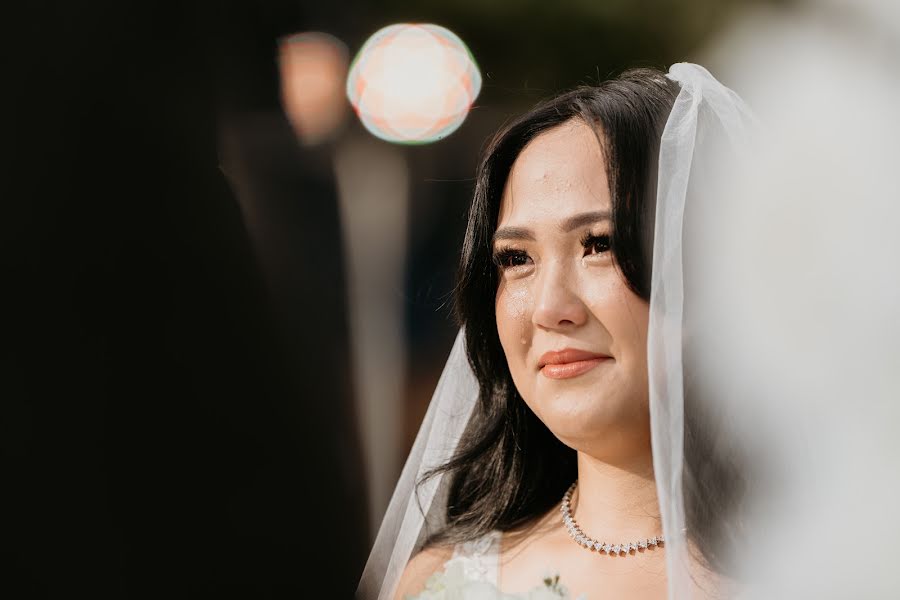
413, 83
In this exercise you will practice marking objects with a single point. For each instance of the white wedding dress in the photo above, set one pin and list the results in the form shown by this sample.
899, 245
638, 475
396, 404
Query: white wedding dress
473, 573
480, 558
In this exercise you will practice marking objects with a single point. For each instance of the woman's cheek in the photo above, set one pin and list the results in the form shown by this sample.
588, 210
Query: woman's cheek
514, 320
517, 305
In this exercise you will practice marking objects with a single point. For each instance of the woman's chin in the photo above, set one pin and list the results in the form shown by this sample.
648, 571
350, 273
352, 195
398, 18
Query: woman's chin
597, 423
571, 418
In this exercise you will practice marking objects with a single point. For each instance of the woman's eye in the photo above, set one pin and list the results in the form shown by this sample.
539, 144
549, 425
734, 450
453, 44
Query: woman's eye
595, 244
508, 259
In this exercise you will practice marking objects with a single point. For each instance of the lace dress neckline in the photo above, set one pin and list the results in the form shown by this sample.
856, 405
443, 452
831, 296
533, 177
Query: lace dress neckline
473, 572
480, 558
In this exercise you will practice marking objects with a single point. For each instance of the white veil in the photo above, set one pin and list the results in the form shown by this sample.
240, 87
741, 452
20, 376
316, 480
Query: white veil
708, 123
703, 111
412, 510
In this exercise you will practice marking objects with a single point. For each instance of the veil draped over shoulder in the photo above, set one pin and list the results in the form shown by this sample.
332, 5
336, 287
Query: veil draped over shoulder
413, 509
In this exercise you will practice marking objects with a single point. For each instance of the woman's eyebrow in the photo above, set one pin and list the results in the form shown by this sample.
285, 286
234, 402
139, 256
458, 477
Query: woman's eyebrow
580, 220
512, 233
574, 222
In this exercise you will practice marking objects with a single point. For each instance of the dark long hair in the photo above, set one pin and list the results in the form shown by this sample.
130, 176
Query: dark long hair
509, 468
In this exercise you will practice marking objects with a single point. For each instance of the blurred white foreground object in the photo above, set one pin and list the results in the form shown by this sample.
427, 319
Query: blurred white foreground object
800, 285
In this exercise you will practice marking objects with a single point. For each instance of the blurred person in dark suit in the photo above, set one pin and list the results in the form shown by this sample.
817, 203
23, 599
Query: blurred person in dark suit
176, 418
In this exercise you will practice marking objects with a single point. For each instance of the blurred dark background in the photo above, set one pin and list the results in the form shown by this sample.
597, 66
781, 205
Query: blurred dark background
180, 412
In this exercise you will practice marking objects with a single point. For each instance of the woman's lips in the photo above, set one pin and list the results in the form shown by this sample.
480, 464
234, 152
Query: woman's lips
569, 363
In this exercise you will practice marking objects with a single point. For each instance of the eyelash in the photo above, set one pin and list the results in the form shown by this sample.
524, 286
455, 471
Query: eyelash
589, 241
504, 256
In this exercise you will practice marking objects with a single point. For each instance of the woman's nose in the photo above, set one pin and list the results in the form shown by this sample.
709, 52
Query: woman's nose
557, 303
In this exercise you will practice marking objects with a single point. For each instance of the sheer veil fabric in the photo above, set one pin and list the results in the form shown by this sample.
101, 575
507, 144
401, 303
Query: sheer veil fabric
708, 129
414, 510
703, 111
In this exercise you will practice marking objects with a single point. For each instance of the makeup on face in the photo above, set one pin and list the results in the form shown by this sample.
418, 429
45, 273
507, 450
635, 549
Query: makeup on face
569, 362
573, 333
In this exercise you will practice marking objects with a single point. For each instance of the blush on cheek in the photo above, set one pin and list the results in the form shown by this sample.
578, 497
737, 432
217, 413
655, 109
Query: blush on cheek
513, 311
513, 314
516, 302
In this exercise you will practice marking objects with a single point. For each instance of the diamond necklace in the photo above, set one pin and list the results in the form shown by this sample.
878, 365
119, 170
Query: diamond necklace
590, 543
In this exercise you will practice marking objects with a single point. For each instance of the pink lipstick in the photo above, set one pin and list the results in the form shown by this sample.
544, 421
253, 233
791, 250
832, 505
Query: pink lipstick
569, 362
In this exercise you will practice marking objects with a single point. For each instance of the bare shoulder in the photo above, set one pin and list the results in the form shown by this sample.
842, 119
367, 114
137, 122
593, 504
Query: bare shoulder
422, 566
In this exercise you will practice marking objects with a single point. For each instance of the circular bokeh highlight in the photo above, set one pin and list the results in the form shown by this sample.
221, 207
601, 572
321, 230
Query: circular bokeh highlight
413, 83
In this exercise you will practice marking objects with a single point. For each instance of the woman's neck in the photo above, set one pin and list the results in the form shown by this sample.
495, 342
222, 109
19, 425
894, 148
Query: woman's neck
616, 502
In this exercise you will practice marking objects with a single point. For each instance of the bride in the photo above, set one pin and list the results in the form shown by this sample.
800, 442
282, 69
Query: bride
545, 472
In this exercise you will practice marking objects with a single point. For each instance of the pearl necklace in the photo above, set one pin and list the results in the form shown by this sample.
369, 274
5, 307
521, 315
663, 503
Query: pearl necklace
590, 543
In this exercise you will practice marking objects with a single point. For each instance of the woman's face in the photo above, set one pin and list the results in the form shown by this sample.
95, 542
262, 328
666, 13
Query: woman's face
574, 334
